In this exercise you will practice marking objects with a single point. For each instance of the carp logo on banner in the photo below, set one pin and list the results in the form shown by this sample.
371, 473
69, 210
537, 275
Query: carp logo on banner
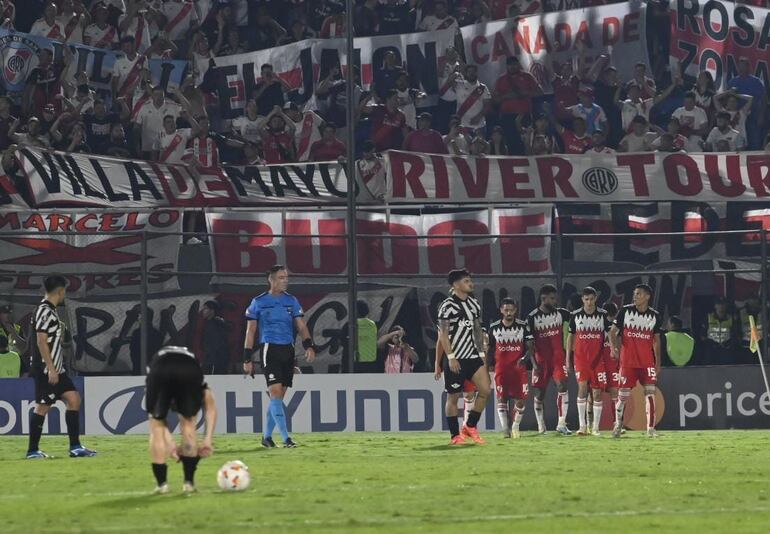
398, 245
17, 53
619, 28
93, 250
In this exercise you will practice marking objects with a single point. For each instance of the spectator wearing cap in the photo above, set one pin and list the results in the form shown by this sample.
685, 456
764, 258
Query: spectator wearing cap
216, 350
589, 111
278, 138
100, 33
269, 91
10, 361
599, 144
693, 122
388, 123
639, 138
456, 141
746, 83
497, 144
328, 148
149, 120
370, 169
394, 17
11, 330
723, 131
424, 139
401, 357
514, 93
473, 100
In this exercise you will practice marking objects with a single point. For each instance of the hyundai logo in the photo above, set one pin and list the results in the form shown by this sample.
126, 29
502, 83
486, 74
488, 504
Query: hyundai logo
600, 181
123, 411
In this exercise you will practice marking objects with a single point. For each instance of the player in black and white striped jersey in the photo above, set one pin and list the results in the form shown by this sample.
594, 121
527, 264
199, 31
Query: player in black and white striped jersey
462, 338
52, 382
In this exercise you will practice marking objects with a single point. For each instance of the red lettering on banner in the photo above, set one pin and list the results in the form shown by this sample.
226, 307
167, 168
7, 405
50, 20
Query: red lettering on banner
442, 254
332, 251
541, 41
238, 99
179, 187
693, 185
214, 182
521, 38
759, 174
81, 225
511, 178
440, 177
558, 30
584, 34
131, 223
474, 180
132, 278
59, 222
553, 172
109, 223
610, 31
636, 163
10, 219
383, 256
631, 27
479, 57
500, 47
400, 175
231, 251
735, 187
515, 251
35, 221
163, 218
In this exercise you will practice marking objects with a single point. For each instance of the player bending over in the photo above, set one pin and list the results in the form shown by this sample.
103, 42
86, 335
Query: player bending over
588, 327
461, 336
51, 379
279, 317
636, 337
546, 327
507, 345
175, 382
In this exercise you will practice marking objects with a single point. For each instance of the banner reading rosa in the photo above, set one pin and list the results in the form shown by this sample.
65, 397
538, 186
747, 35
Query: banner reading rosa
64, 179
655, 176
19, 55
445, 248
26, 258
617, 28
303, 64
712, 35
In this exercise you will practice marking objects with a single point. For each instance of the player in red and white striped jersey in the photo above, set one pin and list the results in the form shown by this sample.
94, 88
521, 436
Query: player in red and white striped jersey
473, 100
636, 337
202, 149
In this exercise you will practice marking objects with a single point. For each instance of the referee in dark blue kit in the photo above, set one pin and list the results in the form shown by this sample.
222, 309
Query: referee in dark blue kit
280, 318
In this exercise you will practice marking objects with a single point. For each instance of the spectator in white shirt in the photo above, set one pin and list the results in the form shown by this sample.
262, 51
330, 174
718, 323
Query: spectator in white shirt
693, 122
729, 101
723, 131
149, 120
639, 139
456, 141
598, 140
440, 20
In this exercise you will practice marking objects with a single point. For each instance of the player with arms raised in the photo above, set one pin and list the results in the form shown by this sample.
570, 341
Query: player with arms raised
280, 317
507, 345
636, 336
175, 382
462, 340
546, 323
588, 327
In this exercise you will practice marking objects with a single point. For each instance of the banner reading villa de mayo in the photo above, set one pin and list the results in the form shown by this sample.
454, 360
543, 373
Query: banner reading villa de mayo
424, 178
617, 28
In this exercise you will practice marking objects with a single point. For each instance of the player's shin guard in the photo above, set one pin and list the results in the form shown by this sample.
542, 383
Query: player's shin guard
597, 415
276, 408
539, 415
189, 464
72, 418
468, 407
518, 413
581, 405
161, 473
503, 414
620, 407
650, 409
35, 431
562, 402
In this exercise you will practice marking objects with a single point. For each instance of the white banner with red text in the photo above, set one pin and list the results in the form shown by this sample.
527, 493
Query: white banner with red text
617, 29
424, 178
397, 246
99, 253
713, 35
65, 179
302, 65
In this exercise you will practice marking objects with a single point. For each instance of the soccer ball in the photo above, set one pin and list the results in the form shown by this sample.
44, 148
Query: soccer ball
234, 476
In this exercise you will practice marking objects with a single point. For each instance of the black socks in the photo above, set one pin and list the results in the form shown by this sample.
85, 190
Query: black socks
189, 463
35, 431
161, 473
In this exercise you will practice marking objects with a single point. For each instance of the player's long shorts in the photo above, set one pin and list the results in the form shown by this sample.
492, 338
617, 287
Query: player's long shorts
630, 376
511, 381
453, 382
612, 369
46, 393
175, 382
591, 372
547, 370
278, 363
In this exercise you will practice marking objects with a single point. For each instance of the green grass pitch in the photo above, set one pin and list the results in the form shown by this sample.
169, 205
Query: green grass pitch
410, 482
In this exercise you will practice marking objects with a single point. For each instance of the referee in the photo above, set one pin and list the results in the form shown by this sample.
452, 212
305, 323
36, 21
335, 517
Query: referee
462, 339
279, 316
51, 379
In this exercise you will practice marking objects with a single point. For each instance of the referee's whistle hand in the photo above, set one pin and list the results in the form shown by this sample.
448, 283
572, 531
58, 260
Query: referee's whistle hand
310, 354
53, 376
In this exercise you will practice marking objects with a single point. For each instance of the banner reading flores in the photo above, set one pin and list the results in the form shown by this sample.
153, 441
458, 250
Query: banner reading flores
422, 178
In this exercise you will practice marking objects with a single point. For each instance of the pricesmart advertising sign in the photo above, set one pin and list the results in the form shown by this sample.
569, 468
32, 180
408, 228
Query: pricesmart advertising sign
691, 399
